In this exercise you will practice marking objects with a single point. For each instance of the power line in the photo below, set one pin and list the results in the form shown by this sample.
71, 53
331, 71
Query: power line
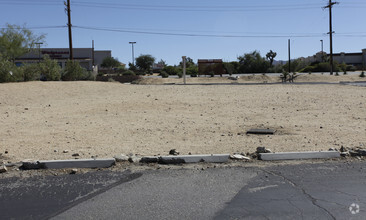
193, 35
39, 27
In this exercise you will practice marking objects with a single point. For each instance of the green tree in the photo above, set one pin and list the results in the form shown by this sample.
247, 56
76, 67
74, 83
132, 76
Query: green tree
231, 67
145, 62
162, 63
192, 71
189, 62
270, 57
253, 63
16, 41
110, 62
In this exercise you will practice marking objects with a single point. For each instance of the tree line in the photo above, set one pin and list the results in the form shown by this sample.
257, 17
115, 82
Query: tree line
16, 41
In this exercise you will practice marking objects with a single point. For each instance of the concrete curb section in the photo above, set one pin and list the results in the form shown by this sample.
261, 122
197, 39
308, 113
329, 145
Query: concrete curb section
61, 164
299, 155
208, 158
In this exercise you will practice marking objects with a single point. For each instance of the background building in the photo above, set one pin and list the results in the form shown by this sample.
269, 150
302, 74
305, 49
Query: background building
355, 59
87, 57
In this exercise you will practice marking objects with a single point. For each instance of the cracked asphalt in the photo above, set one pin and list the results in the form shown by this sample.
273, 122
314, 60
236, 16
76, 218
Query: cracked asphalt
309, 190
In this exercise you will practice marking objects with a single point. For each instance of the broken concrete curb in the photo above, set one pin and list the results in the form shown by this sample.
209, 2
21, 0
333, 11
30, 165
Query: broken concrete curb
61, 164
208, 158
299, 155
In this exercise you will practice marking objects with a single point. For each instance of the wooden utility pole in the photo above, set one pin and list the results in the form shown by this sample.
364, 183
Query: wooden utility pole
69, 25
184, 69
289, 56
93, 53
330, 5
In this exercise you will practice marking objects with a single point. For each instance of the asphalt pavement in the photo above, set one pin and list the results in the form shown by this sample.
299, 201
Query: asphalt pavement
310, 190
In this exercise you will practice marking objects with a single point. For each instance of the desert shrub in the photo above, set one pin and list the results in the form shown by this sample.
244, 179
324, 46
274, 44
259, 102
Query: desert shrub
351, 68
171, 70
31, 72
308, 69
50, 70
192, 71
9, 72
180, 74
275, 69
111, 80
164, 74
362, 74
73, 71
129, 73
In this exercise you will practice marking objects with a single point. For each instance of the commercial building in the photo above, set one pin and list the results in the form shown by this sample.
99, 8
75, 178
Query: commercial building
87, 57
356, 59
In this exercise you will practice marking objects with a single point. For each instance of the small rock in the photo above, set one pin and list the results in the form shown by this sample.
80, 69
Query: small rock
74, 171
332, 149
343, 149
3, 169
173, 152
344, 154
6, 152
65, 151
239, 157
121, 158
55, 151
268, 151
134, 159
76, 155
261, 150
26, 108
362, 152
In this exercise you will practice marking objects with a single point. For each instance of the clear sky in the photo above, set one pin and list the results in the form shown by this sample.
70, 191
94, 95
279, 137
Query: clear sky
200, 29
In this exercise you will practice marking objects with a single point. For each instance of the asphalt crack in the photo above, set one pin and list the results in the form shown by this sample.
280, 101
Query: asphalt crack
312, 199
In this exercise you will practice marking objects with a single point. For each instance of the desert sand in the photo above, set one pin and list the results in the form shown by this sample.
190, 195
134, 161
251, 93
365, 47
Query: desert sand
39, 120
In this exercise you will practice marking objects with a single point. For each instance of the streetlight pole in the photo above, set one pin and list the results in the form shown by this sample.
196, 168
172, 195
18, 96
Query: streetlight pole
322, 50
39, 51
133, 56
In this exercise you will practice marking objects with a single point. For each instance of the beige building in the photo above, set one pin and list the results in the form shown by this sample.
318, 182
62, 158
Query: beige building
88, 57
355, 59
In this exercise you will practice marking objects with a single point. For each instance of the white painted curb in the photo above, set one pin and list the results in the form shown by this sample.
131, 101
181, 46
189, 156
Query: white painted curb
299, 155
60, 164
208, 158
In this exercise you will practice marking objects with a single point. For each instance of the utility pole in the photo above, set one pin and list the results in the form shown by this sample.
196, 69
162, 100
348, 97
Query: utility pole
184, 69
133, 55
69, 25
289, 56
330, 5
93, 53
321, 41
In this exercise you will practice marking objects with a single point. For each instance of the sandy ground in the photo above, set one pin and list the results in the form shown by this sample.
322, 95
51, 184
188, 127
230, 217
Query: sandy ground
39, 120
303, 77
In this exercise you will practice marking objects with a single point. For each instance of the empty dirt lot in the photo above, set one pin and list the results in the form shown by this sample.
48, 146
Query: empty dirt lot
39, 120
